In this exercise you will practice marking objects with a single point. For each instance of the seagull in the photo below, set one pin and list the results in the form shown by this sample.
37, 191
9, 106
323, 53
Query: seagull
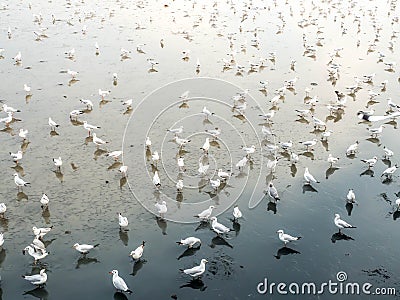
3, 209
19, 181
189, 241
237, 214
9, 109
148, 142
176, 131
44, 200
103, 94
72, 73
89, 127
352, 149
332, 159
218, 227
286, 238
241, 163
156, 180
122, 221
123, 170
181, 142
309, 144
155, 157
318, 122
23, 133
7, 120
16, 156
223, 175
203, 169
308, 177
138, 252
206, 145
268, 116
249, 150
1, 239
205, 214
214, 132
119, 283
57, 162
37, 279
53, 124
88, 103
41, 232
181, 163
351, 197
18, 58
388, 153
98, 141
196, 271
376, 131
84, 248
389, 171
114, 154
37, 255
272, 192
161, 208
370, 162
215, 183
128, 103
179, 185
341, 223
73, 115
392, 105
206, 112
326, 134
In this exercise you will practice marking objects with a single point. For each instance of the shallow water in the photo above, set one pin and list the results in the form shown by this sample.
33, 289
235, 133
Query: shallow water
85, 198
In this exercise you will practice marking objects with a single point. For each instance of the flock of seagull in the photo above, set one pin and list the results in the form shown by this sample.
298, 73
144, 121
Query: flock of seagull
276, 149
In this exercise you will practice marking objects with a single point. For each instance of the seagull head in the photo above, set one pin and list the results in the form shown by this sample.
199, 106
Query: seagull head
280, 231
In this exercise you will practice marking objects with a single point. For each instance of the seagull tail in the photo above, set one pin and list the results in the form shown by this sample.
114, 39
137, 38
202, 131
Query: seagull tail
27, 183
299, 237
129, 291
96, 245
318, 181
181, 270
179, 243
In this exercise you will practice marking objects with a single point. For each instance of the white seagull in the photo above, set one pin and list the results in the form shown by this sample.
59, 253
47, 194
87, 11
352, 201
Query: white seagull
138, 252
196, 271
37, 279
122, 221
308, 177
119, 283
19, 181
218, 227
189, 241
205, 214
286, 238
341, 224
84, 248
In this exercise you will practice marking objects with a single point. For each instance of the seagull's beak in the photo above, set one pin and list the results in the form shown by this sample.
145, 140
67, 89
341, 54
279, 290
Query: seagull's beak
109, 272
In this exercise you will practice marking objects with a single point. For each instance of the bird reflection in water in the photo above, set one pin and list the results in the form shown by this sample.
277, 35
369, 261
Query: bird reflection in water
189, 252
196, 284
137, 266
203, 225
285, 251
349, 208
309, 188
367, 172
330, 171
271, 206
162, 224
84, 260
39, 292
123, 236
220, 241
120, 296
340, 236
22, 196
